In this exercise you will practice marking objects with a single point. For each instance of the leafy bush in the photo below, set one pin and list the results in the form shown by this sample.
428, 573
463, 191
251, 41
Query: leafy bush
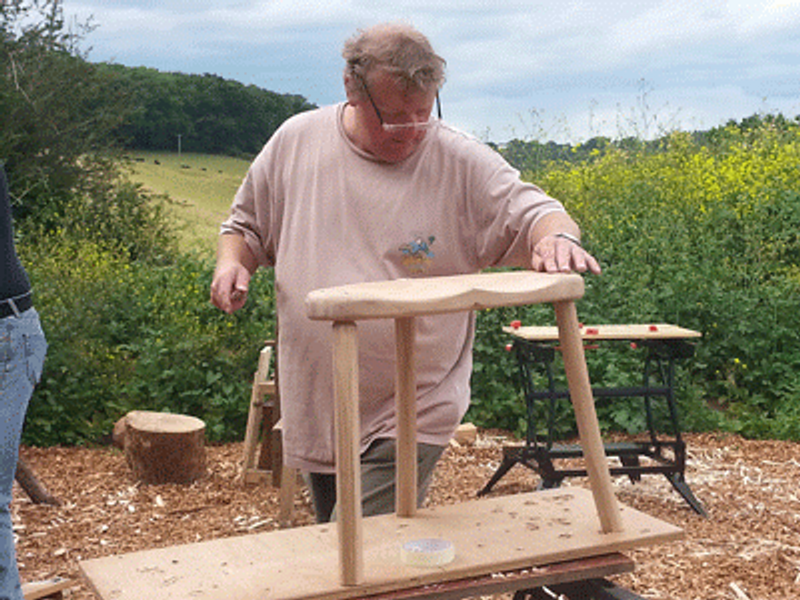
696, 231
127, 335
702, 233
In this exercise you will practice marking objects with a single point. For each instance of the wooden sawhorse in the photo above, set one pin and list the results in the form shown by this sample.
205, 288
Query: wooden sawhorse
359, 558
262, 458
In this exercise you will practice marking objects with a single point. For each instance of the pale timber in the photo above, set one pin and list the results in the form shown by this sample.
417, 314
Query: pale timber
490, 535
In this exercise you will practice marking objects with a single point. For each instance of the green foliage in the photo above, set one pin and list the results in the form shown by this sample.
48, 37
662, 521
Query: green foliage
127, 335
701, 231
57, 113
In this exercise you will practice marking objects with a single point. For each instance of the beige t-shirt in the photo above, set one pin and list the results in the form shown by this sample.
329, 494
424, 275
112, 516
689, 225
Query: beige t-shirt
324, 213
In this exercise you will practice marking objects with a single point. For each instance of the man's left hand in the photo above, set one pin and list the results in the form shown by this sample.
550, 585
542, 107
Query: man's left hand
555, 254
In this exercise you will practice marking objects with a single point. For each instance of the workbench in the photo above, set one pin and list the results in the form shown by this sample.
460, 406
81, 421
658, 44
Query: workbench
663, 344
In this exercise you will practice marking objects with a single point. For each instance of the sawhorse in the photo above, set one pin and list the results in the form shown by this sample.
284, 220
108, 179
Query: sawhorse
263, 454
535, 351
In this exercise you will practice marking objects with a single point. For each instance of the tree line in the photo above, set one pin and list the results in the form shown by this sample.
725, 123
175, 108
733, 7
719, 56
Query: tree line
198, 113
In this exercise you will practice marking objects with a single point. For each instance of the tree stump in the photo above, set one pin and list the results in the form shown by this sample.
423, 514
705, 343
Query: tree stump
164, 447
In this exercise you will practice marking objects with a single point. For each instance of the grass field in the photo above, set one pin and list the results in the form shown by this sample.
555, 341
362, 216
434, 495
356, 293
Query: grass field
200, 187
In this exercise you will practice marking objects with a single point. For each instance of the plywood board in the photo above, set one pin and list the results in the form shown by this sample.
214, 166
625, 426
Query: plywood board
653, 331
490, 535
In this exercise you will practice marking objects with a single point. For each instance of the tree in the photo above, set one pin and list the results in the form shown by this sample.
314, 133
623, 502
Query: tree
57, 113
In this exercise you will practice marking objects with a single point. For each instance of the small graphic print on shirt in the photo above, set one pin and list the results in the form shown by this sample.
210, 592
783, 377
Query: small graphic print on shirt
417, 254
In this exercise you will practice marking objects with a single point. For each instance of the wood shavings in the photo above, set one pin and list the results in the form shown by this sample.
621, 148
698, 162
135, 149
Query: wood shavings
750, 489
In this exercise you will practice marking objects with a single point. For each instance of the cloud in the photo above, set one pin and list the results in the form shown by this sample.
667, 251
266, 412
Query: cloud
583, 61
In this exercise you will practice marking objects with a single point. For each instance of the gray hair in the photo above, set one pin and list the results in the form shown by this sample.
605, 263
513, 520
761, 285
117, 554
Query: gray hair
397, 49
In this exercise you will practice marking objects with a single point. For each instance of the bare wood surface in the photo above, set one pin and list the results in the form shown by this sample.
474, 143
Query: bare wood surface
436, 295
586, 417
165, 447
50, 588
406, 400
635, 331
490, 535
348, 459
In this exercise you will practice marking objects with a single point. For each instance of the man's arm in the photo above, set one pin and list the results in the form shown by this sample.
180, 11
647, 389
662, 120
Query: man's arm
235, 266
556, 247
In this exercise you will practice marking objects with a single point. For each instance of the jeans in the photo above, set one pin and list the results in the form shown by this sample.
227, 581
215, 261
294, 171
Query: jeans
22, 351
377, 480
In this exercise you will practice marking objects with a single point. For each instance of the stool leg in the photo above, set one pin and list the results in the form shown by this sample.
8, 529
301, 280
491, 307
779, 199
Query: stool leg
583, 403
348, 464
406, 399
286, 496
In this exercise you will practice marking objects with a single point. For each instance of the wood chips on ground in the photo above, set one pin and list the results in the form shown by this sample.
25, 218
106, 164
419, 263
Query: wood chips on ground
748, 548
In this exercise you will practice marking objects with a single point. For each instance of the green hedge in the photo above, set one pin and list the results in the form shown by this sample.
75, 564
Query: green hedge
132, 335
702, 235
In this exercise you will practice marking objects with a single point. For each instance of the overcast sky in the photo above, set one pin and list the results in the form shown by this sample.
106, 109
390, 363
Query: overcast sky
544, 69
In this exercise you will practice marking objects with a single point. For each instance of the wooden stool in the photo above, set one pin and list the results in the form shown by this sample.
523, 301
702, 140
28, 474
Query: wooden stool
403, 300
264, 461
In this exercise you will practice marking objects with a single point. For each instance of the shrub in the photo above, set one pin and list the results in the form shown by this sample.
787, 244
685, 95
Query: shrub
703, 235
127, 335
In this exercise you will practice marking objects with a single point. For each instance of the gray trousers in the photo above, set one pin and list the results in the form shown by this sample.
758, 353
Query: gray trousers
377, 480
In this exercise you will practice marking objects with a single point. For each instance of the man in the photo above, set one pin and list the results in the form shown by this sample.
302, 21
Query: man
375, 189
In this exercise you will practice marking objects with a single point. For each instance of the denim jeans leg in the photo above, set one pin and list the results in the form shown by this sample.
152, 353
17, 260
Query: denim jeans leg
22, 351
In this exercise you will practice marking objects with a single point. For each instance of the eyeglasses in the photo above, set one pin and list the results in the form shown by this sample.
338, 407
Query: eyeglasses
389, 127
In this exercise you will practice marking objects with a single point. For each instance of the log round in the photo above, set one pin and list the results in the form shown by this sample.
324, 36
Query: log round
164, 447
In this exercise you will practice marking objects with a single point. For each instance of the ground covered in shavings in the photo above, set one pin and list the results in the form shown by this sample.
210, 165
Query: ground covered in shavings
748, 548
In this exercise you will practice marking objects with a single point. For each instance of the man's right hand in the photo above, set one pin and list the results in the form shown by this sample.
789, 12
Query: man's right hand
235, 266
229, 287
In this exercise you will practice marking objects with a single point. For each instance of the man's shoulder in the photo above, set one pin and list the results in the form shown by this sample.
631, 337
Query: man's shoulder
310, 118
454, 141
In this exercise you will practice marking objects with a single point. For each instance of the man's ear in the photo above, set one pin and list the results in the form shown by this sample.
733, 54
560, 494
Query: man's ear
354, 96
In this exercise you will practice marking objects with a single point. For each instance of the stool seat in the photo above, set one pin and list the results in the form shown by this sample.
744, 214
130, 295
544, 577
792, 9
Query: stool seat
438, 295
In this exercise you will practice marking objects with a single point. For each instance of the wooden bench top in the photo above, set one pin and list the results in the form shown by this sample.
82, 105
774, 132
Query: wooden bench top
653, 331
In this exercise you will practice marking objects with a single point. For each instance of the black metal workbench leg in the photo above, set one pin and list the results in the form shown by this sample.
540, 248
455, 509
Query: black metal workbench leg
678, 482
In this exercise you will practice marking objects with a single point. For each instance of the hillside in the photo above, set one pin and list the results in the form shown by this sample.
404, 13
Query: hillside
200, 189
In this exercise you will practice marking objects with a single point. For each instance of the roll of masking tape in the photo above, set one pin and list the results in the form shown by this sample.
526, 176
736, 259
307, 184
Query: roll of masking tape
427, 553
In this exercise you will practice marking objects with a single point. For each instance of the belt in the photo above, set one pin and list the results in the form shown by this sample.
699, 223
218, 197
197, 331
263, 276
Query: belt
15, 306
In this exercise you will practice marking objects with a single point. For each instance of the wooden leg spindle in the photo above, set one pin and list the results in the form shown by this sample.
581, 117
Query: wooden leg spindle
348, 463
406, 398
588, 429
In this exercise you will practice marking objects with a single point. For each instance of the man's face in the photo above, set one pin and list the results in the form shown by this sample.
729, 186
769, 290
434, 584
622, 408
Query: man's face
397, 106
